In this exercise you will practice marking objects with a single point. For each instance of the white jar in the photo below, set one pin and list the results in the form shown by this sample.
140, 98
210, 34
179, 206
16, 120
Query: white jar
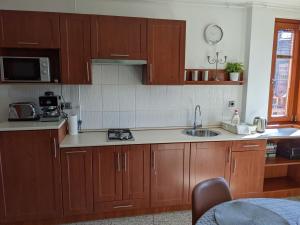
234, 76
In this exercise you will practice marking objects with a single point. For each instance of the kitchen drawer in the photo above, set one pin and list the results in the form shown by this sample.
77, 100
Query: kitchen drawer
249, 145
125, 205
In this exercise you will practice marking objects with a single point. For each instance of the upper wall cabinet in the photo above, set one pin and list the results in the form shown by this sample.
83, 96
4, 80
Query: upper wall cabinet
75, 31
166, 52
29, 29
119, 37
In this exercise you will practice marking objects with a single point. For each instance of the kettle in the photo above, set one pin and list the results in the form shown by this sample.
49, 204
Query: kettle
260, 124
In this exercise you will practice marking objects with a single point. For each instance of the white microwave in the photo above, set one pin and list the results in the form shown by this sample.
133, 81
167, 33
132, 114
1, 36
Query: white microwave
25, 69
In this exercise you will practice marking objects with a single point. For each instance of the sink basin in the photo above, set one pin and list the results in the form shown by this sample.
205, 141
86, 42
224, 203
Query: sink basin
201, 132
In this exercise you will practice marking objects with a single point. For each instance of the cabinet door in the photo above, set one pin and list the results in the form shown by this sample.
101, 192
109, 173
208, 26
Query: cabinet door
30, 183
119, 37
75, 49
77, 180
29, 29
107, 167
166, 52
209, 160
169, 174
247, 172
136, 172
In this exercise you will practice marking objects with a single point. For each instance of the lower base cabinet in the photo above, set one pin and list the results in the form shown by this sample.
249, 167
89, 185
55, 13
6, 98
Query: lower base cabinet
77, 180
170, 174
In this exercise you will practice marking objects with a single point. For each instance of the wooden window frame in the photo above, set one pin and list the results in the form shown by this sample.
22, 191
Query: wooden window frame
293, 111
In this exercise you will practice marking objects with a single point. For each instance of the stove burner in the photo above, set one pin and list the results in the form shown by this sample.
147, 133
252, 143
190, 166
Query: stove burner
119, 135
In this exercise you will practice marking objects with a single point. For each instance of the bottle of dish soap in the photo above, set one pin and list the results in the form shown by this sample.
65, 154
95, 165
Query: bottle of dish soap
235, 118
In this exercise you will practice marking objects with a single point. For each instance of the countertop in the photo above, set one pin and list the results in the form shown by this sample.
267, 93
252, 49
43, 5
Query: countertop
151, 136
29, 125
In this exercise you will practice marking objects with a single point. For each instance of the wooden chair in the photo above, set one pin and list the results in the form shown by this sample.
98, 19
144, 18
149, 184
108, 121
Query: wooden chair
207, 194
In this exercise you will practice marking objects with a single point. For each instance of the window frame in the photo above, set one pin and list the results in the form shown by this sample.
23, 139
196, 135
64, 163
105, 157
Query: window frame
293, 107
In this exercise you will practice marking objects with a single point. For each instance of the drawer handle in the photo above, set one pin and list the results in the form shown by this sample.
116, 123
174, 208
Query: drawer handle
88, 71
153, 160
118, 162
76, 152
250, 146
27, 43
119, 55
55, 147
122, 206
229, 154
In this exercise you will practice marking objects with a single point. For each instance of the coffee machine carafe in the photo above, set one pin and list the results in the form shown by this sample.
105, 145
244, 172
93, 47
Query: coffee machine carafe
50, 107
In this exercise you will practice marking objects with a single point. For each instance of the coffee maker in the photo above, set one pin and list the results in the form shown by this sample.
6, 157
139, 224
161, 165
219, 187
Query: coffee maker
50, 105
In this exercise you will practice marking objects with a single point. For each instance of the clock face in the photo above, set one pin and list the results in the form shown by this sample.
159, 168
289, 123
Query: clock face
213, 34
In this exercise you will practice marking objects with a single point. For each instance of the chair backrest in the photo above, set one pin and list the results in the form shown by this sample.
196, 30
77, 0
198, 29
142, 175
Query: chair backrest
208, 194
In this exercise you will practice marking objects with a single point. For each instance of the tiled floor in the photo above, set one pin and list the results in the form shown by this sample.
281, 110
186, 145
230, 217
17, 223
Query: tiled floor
174, 218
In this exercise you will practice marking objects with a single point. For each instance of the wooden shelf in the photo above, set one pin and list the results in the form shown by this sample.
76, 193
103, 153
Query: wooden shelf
212, 82
280, 161
280, 183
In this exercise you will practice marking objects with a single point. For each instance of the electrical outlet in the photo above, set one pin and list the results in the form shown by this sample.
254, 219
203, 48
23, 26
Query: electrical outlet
66, 105
231, 104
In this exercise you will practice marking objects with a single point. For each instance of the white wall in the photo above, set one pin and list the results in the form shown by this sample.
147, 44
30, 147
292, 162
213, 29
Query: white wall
260, 58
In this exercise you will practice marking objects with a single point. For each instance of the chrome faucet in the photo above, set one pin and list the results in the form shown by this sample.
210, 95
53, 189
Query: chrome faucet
195, 118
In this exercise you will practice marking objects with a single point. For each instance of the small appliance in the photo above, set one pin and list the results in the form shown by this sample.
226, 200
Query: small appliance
119, 135
260, 124
50, 107
25, 69
289, 149
22, 111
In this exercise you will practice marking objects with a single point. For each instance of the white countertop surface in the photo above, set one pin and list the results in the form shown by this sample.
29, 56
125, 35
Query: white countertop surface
29, 125
151, 136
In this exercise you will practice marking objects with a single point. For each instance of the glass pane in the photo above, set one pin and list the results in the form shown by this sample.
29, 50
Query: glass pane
285, 42
281, 85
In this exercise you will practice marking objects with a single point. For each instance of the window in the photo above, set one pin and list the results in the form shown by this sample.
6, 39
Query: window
284, 78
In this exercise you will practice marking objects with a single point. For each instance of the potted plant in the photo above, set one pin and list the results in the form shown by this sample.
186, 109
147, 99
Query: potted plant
234, 70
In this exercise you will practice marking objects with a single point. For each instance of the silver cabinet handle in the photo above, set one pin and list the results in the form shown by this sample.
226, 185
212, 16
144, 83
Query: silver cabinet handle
250, 146
27, 43
153, 160
234, 166
228, 154
119, 55
122, 206
118, 162
150, 73
88, 71
55, 147
125, 161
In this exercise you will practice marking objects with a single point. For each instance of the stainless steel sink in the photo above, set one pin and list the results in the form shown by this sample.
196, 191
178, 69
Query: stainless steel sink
201, 132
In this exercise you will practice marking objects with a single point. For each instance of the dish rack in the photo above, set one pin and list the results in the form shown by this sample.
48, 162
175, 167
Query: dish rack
242, 128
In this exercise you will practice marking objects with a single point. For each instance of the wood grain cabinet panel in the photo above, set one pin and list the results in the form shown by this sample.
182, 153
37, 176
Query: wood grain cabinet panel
209, 160
166, 52
119, 37
29, 29
169, 174
30, 182
121, 177
247, 172
75, 33
77, 176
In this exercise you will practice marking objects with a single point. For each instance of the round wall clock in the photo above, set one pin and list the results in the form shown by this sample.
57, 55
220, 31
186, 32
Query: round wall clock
213, 34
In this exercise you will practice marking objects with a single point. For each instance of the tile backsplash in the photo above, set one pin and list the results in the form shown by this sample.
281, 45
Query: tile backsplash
118, 99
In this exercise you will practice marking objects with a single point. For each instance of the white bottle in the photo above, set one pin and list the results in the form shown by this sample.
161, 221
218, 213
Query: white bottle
235, 118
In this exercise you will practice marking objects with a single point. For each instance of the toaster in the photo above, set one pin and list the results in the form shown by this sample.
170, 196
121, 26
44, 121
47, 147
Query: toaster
22, 111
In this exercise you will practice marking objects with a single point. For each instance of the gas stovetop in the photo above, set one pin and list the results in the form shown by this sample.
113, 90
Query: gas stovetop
119, 135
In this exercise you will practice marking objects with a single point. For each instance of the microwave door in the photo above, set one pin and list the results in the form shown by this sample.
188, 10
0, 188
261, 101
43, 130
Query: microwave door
21, 69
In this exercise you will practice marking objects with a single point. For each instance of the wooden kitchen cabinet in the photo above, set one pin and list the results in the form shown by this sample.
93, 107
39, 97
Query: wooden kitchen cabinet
30, 183
29, 29
119, 37
75, 31
209, 160
169, 174
247, 167
121, 177
166, 52
77, 177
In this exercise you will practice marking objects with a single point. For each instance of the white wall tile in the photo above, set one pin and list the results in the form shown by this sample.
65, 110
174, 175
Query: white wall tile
111, 120
91, 97
97, 73
91, 120
127, 97
130, 74
143, 97
110, 74
110, 97
127, 119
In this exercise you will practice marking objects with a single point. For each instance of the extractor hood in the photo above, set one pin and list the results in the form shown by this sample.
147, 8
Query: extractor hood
119, 61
